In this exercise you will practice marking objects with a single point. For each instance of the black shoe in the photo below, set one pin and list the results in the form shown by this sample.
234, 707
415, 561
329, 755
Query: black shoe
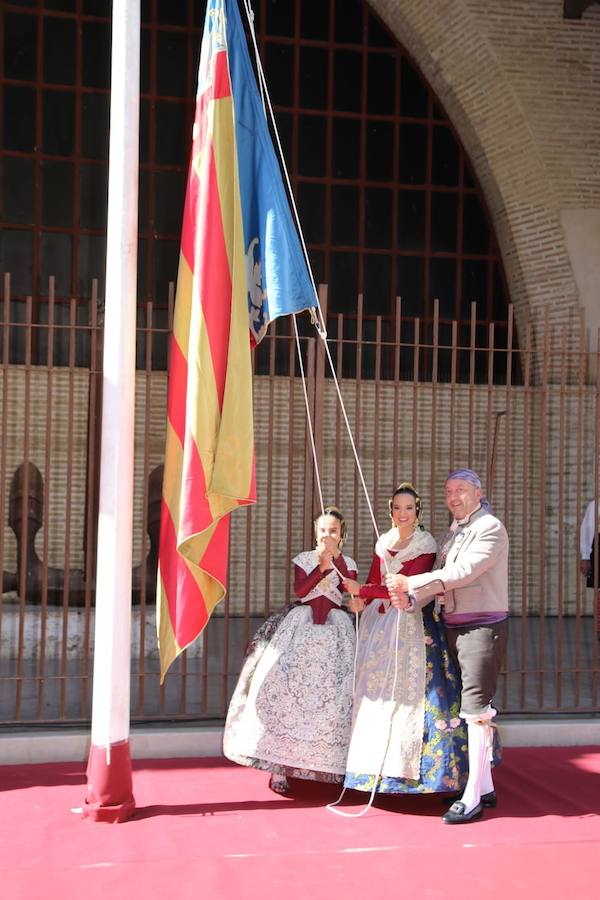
456, 815
279, 784
488, 800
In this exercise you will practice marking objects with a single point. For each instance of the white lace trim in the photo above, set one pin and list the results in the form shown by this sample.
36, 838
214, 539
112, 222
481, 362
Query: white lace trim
294, 707
328, 586
422, 542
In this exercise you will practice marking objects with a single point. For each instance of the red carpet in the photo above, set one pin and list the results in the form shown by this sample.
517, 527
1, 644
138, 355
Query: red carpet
209, 829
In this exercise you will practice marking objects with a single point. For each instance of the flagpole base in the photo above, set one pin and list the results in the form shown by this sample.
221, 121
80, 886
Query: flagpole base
109, 795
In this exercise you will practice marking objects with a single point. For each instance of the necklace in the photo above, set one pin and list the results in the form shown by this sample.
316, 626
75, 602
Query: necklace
403, 539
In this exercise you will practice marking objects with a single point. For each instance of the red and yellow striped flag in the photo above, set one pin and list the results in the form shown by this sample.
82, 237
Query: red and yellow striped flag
209, 457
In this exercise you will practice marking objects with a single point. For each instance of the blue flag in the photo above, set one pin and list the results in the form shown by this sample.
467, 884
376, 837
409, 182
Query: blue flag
279, 282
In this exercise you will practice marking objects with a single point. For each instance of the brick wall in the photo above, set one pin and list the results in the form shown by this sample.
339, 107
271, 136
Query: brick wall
542, 479
521, 87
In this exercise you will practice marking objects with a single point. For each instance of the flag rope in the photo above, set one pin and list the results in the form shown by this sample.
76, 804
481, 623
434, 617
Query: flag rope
321, 327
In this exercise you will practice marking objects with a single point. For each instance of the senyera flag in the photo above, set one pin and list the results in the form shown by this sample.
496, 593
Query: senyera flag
240, 266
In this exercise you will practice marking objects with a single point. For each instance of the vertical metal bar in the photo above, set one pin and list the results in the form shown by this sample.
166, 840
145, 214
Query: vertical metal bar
562, 410
271, 421
357, 429
415, 401
183, 673
248, 534
24, 534
148, 341
248, 546
64, 665
526, 516
308, 459
508, 422
471, 381
170, 311
318, 415
397, 338
91, 508
491, 432
4, 429
596, 466
226, 639
434, 398
377, 415
452, 411
290, 463
46, 501
507, 462
247, 570
339, 365
542, 507
581, 420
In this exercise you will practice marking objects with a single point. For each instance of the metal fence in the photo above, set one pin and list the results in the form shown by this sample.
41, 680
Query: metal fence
420, 397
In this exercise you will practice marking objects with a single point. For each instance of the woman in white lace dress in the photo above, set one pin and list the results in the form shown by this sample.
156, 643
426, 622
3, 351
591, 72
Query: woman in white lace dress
291, 711
407, 736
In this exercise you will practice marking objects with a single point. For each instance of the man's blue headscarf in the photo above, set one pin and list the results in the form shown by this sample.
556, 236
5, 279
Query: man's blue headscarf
470, 477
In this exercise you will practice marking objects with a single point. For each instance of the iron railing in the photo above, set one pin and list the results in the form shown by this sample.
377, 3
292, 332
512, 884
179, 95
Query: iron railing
526, 416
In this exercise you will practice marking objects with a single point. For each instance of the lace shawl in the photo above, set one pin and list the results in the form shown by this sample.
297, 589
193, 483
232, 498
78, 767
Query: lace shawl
328, 586
422, 542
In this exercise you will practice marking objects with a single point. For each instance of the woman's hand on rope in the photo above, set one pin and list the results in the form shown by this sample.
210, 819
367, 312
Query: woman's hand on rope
356, 604
396, 584
352, 587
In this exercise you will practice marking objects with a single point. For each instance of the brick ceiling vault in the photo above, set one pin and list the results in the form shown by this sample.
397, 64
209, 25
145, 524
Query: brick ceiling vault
452, 45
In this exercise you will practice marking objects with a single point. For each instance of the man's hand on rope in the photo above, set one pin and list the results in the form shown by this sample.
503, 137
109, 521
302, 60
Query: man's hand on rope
397, 586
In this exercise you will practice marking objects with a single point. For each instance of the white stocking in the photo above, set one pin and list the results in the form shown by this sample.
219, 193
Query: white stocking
479, 765
487, 782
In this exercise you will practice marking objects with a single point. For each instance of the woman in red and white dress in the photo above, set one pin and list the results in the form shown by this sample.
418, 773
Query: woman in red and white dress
291, 711
407, 736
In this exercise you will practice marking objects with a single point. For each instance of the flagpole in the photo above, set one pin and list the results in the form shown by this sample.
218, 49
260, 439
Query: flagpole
109, 795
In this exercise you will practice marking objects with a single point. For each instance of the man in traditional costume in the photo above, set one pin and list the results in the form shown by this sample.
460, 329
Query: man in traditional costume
471, 579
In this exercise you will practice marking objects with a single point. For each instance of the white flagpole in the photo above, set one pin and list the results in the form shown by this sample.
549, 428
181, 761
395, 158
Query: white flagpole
109, 790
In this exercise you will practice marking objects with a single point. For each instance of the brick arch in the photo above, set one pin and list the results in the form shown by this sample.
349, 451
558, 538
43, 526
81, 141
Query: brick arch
450, 46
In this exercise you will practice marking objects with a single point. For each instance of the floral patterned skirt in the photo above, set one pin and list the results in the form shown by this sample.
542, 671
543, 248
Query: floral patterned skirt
291, 710
444, 752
